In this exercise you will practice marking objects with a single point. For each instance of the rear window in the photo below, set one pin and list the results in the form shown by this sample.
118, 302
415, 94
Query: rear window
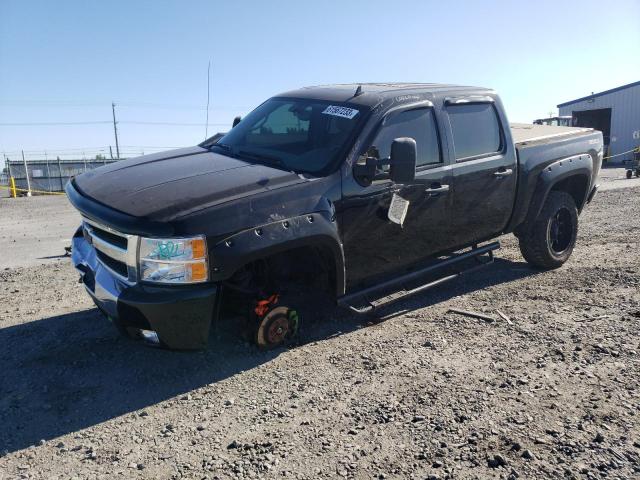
476, 130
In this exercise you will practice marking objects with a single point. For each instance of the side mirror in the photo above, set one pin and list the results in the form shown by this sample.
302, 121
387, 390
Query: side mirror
236, 121
403, 160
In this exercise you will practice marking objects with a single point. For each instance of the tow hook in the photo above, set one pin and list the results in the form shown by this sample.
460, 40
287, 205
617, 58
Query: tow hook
83, 271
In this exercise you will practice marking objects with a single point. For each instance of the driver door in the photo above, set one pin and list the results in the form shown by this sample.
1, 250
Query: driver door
374, 245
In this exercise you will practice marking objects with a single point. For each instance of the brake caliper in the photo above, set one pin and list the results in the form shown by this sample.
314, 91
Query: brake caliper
262, 306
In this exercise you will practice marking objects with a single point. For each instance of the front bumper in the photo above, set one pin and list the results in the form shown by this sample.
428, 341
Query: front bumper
181, 316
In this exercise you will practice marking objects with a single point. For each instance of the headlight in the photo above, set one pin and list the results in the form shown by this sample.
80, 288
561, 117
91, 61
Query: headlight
173, 260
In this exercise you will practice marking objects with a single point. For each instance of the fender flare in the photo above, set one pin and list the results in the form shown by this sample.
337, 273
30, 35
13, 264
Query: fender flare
556, 172
317, 229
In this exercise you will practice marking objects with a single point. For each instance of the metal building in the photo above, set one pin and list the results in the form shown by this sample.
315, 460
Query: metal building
615, 112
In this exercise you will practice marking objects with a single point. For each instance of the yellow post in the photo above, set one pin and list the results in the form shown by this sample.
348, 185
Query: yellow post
12, 182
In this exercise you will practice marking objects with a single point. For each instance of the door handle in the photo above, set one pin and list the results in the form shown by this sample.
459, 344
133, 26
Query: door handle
436, 189
504, 172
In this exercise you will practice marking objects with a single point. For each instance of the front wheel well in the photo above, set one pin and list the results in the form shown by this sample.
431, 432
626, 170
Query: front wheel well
307, 267
576, 186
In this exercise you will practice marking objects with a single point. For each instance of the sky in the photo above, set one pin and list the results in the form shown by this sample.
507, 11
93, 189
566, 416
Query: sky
66, 61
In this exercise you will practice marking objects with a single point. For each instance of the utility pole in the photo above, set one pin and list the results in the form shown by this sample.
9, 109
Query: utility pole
60, 175
115, 129
46, 159
6, 161
26, 172
206, 128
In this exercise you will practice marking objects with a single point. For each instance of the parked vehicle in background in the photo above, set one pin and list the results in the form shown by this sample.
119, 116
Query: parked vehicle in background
633, 166
367, 193
559, 121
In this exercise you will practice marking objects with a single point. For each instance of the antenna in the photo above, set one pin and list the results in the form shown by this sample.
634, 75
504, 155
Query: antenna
358, 91
206, 128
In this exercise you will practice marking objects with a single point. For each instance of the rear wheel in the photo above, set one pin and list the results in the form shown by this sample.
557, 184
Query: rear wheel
549, 242
629, 173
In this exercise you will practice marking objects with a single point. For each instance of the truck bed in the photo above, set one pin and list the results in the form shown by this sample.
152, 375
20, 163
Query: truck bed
528, 133
538, 146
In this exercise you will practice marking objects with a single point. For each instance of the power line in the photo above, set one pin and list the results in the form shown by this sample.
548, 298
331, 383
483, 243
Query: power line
43, 124
131, 122
81, 149
103, 122
64, 103
182, 107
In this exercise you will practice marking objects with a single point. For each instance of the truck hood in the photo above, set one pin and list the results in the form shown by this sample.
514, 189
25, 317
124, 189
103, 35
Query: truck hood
168, 185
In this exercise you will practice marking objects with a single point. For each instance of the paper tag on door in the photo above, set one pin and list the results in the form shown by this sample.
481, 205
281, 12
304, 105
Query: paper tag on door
398, 209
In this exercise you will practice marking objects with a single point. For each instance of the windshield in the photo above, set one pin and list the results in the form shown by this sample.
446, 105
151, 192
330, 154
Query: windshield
300, 135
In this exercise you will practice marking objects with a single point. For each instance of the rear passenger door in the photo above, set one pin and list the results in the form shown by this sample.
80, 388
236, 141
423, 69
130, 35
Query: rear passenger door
484, 170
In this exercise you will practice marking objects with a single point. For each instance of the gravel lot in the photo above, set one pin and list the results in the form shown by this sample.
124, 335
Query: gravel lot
552, 393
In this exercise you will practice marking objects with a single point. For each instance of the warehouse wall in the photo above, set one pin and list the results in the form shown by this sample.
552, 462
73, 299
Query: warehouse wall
625, 117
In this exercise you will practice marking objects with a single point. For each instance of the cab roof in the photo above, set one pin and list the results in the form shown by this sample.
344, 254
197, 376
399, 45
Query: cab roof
372, 93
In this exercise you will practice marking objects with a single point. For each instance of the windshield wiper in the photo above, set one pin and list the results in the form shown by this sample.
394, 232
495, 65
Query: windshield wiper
270, 160
228, 149
221, 145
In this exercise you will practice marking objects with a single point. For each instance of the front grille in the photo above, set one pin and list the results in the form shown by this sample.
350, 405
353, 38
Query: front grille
112, 238
118, 267
115, 250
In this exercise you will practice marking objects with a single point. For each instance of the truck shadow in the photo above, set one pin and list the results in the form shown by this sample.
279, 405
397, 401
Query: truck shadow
69, 372
501, 271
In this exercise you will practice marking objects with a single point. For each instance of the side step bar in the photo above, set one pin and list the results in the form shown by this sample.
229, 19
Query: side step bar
347, 301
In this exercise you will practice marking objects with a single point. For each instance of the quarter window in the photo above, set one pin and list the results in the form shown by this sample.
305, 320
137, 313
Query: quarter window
476, 129
418, 124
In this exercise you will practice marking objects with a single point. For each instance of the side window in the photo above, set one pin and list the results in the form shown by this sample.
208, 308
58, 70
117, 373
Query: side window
476, 129
418, 124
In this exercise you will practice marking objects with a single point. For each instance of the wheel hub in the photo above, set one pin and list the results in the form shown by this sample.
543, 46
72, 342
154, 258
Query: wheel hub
560, 231
277, 330
278, 326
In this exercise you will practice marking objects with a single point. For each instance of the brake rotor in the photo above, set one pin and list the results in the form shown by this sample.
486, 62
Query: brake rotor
276, 327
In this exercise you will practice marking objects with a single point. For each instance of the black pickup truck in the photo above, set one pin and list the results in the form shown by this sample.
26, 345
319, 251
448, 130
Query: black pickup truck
370, 192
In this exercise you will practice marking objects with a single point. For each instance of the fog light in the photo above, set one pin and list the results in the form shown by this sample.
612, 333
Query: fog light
149, 336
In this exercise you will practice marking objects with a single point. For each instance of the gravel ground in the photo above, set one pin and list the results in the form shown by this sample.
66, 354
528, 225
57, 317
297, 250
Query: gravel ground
35, 230
551, 393
613, 178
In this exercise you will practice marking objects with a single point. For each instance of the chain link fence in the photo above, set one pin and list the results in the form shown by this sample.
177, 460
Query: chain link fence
45, 175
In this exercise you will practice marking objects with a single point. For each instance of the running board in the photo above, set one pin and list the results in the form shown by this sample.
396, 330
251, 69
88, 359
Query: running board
347, 301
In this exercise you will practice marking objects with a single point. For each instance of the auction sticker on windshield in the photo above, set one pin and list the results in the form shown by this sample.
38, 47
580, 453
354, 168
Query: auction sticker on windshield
343, 112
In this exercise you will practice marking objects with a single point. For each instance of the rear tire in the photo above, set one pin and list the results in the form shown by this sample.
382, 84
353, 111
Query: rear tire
549, 241
629, 173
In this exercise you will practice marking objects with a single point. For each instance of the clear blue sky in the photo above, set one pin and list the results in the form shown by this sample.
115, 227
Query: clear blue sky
65, 61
